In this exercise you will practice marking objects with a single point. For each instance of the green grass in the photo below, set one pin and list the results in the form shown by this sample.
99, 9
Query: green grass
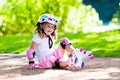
105, 44
14, 44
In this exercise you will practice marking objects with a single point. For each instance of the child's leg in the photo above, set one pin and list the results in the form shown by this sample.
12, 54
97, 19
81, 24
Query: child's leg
77, 54
64, 46
60, 51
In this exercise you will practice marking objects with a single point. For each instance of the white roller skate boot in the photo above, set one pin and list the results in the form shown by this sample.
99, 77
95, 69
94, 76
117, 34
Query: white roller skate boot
79, 58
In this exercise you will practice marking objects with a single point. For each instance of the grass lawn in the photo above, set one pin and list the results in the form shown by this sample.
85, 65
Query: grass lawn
104, 44
14, 44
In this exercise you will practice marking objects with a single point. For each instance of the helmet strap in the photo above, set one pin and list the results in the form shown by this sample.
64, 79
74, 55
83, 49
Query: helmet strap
50, 42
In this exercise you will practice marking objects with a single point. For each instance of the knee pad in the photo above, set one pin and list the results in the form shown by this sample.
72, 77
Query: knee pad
64, 42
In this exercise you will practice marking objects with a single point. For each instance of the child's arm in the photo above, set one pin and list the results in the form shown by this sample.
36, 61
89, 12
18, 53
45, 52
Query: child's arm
30, 56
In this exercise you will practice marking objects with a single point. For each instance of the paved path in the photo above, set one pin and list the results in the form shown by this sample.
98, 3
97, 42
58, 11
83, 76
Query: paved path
13, 67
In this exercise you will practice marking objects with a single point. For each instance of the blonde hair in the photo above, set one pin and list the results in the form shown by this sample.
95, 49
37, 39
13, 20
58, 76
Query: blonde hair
40, 31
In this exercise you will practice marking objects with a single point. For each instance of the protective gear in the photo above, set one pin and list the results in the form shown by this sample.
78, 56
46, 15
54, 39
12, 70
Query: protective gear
30, 53
50, 42
32, 64
64, 42
48, 18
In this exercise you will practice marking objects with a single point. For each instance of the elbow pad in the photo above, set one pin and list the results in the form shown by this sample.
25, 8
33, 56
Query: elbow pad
30, 53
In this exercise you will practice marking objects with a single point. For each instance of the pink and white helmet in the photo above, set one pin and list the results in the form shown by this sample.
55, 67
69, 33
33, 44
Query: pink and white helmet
48, 18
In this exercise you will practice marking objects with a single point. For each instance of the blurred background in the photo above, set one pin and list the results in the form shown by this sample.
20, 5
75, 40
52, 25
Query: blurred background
91, 24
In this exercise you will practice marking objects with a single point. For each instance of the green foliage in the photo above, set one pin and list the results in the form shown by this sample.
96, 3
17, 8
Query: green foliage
20, 16
116, 17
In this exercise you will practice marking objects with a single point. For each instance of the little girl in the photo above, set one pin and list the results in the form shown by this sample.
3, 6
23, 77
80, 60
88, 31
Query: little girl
49, 57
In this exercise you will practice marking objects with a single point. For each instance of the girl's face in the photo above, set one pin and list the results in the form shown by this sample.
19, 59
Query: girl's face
48, 28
